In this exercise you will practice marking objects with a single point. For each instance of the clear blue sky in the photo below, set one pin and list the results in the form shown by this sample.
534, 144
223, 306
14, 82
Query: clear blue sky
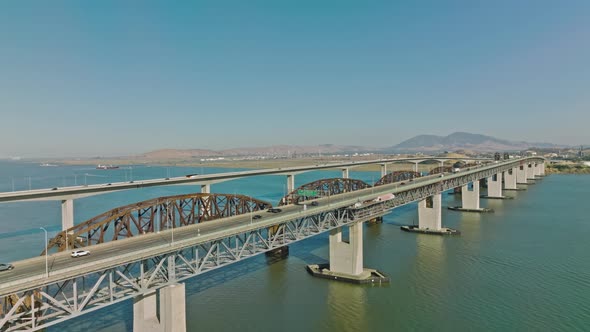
118, 77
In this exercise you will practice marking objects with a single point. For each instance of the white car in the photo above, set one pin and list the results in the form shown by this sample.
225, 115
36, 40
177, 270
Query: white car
80, 253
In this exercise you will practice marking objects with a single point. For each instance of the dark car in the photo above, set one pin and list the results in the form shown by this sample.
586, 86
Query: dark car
6, 267
401, 184
274, 210
314, 203
257, 216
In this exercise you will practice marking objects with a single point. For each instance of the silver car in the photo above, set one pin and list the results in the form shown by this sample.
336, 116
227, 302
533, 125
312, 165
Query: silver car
6, 267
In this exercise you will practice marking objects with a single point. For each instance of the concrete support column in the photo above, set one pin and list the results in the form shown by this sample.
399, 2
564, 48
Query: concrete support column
67, 214
521, 174
145, 314
495, 186
510, 179
347, 257
537, 170
345, 173
172, 311
173, 308
543, 169
470, 198
206, 188
416, 167
290, 183
383, 170
530, 171
429, 213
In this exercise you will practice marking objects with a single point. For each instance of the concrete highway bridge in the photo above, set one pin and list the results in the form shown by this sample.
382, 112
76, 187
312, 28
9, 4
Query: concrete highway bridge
152, 246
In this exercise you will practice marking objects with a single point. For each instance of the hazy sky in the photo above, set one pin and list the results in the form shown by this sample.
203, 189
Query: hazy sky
117, 77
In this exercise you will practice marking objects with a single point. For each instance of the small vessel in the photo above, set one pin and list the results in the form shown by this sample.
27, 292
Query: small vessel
47, 165
99, 166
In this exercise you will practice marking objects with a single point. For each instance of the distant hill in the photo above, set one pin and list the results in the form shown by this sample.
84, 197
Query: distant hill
461, 141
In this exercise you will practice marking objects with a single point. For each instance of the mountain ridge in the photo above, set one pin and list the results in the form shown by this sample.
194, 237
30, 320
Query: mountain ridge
462, 141
427, 143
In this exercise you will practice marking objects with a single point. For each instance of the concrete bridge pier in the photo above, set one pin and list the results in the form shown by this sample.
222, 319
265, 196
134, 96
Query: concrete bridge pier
345, 173
470, 199
510, 179
67, 214
521, 174
429, 213
206, 188
383, 170
67, 218
430, 218
172, 316
290, 183
495, 186
537, 171
346, 259
542, 169
530, 172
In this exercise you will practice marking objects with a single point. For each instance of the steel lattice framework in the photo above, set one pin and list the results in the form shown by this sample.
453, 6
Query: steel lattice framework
396, 177
153, 215
440, 169
324, 187
43, 305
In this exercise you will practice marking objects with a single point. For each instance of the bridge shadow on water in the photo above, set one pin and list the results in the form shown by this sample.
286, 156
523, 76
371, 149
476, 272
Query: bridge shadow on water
119, 317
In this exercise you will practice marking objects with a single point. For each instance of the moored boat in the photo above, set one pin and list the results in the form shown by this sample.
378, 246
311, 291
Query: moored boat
99, 166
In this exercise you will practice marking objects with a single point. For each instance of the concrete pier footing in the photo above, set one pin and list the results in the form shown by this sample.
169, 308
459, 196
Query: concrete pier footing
172, 316
346, 259
494, 197
429, 218
368, 276
480, 210
442, 231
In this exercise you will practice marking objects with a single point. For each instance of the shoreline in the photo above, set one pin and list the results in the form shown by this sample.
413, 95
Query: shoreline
567, 169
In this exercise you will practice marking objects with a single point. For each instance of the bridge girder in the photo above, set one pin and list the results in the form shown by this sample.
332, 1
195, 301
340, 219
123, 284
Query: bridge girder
154, 215
396, 177
324, 187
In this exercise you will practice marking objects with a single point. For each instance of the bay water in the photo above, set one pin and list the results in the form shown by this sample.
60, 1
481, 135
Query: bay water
525, 267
